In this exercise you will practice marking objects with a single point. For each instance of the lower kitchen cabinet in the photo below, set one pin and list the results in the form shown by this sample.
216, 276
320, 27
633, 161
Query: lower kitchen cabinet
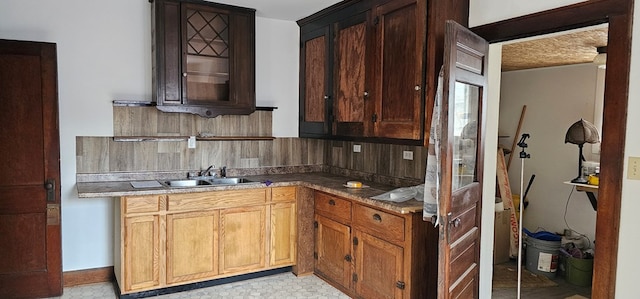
379, 267
141, 255
192, 246
283, 234
373, 253
169, 240
242, 239
333, 250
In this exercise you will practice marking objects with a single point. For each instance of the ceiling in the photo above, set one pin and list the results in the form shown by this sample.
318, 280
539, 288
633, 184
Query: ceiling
564, 49
290, 10
559, 49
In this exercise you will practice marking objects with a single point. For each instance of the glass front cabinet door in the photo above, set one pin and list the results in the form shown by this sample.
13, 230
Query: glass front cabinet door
204, 57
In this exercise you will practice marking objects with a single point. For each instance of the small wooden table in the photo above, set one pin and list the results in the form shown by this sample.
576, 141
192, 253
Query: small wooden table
591, 190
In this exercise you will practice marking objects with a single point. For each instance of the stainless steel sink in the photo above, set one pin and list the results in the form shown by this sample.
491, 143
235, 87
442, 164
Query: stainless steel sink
187, 183
205, 182
228, 181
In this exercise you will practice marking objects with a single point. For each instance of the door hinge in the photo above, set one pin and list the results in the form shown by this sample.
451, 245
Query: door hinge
315, 255
374, 117
400, 285
355, 241
315, 224
354, 277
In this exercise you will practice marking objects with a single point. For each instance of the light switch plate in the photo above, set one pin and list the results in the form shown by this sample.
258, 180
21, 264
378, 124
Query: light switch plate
633, 172
191, 143
357, 148
407, 155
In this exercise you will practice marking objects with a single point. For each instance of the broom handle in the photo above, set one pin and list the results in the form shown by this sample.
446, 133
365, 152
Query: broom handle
515, 138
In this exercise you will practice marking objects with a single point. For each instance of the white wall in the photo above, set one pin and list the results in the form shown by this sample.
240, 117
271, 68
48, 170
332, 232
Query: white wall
487, 11
556, 97
104, 54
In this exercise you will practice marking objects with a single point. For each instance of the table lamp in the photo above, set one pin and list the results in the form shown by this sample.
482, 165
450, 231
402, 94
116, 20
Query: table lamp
579, 133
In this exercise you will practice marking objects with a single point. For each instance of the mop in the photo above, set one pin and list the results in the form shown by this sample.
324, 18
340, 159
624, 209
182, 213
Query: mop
523, 155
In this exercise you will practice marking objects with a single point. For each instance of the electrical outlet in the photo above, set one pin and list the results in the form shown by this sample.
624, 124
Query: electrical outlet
407, 155
633, 172
191, 143
357, 148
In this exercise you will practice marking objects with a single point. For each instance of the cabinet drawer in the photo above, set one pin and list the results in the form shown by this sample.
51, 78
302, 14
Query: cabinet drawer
332, 207
283, 194
216, 200
381, 224
141, 204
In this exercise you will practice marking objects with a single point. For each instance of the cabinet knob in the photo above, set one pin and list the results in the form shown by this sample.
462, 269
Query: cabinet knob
377, 217
326, 97
366, 93
417, 87
332, 202
184, 74
455, 222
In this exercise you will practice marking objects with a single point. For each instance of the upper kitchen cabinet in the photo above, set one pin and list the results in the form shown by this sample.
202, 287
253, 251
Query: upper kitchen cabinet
369, 68
204, 57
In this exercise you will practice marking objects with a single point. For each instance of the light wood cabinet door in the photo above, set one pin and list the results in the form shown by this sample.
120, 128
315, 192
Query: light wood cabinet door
192, 249
379, 267
242, 239
283, 234
333, 250
141, 252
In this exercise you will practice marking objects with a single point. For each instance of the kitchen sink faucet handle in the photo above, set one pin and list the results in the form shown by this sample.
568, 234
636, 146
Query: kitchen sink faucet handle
223, 171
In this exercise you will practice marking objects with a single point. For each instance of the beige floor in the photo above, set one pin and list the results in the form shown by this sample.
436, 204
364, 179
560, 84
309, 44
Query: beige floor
285, 285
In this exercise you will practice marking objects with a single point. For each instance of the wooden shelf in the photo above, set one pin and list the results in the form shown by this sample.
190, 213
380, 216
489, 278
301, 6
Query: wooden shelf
185, 138
126, 103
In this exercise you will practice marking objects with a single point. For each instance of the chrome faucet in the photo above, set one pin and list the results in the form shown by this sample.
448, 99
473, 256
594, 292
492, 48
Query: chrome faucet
206, 172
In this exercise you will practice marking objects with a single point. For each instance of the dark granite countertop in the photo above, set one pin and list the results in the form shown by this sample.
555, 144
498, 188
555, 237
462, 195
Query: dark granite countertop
326, 182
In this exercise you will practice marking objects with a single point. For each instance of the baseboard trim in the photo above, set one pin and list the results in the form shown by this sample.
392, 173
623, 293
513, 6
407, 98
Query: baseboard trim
88, 276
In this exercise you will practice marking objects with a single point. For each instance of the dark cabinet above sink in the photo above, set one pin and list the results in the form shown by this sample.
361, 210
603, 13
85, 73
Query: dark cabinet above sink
204, 57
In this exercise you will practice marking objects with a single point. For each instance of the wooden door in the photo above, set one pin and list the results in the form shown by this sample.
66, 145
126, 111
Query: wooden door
315, 92
379, 268
242, 239
351, 92
30, 245
283, 234
333, 250
462, 152
141, 252
400, 40
192, 247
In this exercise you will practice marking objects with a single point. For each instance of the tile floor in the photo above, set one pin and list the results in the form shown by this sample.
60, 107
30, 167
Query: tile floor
285, 285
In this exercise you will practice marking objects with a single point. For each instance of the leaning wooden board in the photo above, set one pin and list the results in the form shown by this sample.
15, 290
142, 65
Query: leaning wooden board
507, 201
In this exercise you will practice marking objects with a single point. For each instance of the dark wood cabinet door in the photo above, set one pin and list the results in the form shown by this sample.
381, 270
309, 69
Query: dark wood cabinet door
351, 92
204, 58
399, 26
333, 250
379, 267
315, 89
30, 239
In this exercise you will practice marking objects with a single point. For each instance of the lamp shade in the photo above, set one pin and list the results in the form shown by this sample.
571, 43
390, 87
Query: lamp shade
582, 132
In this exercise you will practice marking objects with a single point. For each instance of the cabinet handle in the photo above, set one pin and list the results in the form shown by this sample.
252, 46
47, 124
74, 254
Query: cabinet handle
184, 74
377, 217
455, 222
417, 87
332, 202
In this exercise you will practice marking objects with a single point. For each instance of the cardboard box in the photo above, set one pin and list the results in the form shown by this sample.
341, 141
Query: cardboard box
501, 237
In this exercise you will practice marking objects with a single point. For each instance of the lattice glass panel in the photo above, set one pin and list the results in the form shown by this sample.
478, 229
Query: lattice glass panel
207, 33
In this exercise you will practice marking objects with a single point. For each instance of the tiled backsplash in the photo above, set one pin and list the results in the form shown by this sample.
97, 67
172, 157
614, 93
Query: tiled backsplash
375, 162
